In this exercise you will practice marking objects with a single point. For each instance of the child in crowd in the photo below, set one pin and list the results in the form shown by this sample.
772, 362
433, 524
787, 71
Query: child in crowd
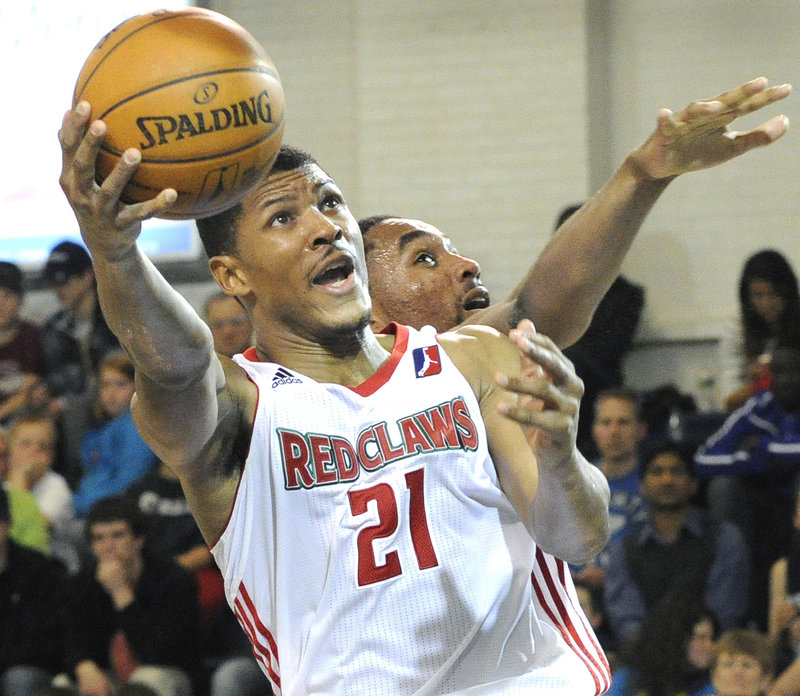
743, 664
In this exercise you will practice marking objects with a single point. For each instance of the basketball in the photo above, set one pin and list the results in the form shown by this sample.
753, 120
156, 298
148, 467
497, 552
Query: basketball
197, 95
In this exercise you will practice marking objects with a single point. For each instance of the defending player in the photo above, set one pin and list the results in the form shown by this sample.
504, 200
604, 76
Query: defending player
417, 277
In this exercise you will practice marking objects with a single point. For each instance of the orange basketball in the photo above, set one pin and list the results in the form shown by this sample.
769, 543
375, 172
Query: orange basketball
197, 95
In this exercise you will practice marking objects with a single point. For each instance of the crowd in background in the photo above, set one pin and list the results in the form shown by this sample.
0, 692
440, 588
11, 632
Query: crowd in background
107, 584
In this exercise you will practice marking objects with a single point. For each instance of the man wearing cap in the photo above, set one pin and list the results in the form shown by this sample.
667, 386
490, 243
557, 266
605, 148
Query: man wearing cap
20, 345
75, 338
31, 614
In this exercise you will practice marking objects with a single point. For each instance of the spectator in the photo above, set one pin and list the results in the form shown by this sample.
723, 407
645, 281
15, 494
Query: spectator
20, 353
598, 354
76, 338
618, 430
132, 616
743, 664
113, 454
31, 453
769, 314
229, 323
31, 601
28, 524
753, 461
677, 551
672, 654
173, 532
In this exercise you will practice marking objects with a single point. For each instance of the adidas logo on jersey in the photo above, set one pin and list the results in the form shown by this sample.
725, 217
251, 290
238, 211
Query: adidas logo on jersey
283, 376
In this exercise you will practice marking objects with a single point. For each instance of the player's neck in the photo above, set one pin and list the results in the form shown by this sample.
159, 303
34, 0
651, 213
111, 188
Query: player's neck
349, 362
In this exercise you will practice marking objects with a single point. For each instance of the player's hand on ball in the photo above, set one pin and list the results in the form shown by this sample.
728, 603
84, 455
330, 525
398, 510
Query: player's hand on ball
549, 393
106, 223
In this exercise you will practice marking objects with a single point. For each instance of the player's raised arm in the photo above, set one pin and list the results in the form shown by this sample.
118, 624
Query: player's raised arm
582, 258
177, 372
531, 420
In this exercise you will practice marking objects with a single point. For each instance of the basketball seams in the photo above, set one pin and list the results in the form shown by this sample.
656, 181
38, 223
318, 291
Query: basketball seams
109, 51
163, 85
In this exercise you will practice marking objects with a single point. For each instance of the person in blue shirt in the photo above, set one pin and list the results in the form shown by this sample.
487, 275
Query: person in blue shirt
753, 462
618, 430
113, 455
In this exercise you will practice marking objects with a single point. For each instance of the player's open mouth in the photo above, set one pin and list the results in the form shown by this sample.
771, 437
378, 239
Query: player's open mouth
335, 275
477, 298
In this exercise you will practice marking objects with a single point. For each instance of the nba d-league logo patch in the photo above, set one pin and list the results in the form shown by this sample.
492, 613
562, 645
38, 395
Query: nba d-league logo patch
426, 361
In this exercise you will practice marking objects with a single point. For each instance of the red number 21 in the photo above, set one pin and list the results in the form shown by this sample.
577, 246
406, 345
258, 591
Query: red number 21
382, 493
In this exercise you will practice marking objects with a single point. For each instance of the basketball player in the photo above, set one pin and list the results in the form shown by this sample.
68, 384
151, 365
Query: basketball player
417, 277
373, 501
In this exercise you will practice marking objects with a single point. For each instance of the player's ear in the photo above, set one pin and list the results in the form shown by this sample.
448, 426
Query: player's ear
228, 275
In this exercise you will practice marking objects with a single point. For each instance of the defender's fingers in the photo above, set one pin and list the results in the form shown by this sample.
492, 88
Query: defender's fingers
551, 396
744, 91
768, 132
542, 351
730, 105
554, 423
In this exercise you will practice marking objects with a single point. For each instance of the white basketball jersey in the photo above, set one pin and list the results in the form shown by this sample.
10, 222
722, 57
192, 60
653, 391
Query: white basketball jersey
371, 551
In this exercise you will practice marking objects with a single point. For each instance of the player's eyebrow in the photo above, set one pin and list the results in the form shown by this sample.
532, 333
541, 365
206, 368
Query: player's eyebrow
409, 237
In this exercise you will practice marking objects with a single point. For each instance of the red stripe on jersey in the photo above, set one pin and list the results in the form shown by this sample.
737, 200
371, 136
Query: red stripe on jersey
385, 371
590, 654
256, 630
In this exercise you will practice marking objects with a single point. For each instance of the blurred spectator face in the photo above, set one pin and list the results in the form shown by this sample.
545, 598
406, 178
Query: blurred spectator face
10, 303
31, 448
765, 300
667, 483
700, 648
616, 429
115, 541
115, 391
73, 291
785, 370
739, 675
230, 326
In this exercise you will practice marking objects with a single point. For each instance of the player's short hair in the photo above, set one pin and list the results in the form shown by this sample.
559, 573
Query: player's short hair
367, 223
218, 232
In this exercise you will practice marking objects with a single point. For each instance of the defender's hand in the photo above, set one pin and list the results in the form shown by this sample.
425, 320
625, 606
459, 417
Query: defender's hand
697, 137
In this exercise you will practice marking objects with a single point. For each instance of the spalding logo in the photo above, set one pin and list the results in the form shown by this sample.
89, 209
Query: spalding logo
161, 130
206, 94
